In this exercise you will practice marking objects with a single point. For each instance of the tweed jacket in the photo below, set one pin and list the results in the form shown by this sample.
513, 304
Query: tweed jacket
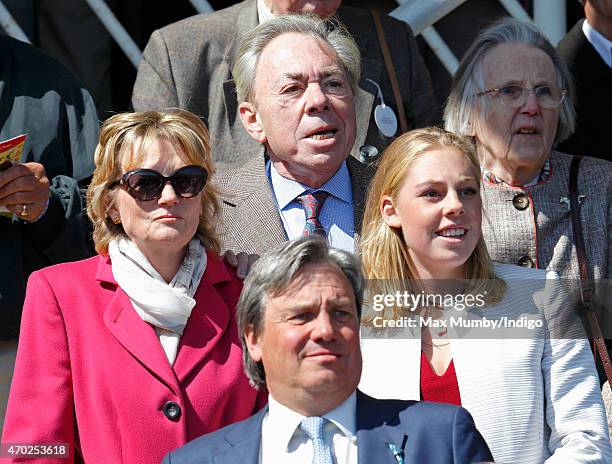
542, 231
535, 398
188, 65
250, 220
593, 80
91, 374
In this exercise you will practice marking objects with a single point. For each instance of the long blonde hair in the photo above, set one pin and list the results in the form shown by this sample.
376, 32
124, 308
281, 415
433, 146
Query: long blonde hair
384, 252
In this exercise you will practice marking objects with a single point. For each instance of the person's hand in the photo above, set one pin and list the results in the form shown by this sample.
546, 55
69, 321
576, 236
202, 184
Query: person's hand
24, 190
241, 261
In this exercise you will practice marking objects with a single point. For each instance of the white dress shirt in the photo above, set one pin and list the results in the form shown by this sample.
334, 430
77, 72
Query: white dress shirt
337, 216
282, 440
600, 43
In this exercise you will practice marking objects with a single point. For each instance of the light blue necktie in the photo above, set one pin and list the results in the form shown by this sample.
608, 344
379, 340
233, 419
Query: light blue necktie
313, 427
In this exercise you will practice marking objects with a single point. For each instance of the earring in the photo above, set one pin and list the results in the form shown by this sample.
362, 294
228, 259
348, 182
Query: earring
116, 220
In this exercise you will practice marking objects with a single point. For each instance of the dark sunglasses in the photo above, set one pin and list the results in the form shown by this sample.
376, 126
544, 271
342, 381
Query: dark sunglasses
147, 184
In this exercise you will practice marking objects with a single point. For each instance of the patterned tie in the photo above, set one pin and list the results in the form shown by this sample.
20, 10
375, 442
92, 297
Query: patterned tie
313, 427
312, 204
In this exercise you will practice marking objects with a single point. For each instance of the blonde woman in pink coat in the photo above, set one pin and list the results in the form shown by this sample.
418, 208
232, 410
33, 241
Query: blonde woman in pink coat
130, 354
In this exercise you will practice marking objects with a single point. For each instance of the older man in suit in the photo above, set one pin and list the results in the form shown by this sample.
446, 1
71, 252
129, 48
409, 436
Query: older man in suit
298, 317
188, 64
295, 77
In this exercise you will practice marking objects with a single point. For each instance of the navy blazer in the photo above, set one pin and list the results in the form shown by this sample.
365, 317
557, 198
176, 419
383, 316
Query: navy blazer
428, 432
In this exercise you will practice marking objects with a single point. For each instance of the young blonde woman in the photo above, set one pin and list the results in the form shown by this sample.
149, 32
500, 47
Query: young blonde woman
532, 392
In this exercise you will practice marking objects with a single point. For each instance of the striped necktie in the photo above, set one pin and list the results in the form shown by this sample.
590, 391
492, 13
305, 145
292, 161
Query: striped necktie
312, 204
322, 451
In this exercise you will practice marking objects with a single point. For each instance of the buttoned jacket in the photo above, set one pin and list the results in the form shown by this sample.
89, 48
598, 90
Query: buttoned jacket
537, 229
424, 432
533, 393
250, 220
188, 65
90, 373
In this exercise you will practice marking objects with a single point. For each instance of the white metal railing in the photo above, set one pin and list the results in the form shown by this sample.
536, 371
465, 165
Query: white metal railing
423, 14
10, 26
515, 9
108, 19
116, 30
202, 6
550, 17
420, 14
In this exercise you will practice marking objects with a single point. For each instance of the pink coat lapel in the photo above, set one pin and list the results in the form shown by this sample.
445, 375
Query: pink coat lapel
208, 321
135, 335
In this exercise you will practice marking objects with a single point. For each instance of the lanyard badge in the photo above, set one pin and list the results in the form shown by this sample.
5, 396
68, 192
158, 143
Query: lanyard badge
385, 118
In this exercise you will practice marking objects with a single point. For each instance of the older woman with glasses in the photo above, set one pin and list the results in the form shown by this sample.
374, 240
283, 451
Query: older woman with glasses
130, 354
513, 94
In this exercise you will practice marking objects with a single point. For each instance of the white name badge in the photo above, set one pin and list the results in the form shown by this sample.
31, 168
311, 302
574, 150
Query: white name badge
385, 119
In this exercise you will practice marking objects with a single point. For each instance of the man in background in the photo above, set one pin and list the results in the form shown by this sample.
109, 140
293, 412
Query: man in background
188, 65
587, 49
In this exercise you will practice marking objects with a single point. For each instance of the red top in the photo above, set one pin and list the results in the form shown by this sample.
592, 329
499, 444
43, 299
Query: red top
439, 388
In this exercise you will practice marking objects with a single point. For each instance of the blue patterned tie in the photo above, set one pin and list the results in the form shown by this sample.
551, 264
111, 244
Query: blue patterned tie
312, 204
313, 427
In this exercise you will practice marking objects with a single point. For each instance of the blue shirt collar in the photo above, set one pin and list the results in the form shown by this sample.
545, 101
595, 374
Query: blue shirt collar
286, 190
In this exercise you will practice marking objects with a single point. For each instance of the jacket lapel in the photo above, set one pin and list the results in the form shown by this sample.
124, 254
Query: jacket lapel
376, 429
374, 445
253, 217
246, 20
207, 323
244, 440
135, 335
587, 63
367, 41
361, 175
364, 101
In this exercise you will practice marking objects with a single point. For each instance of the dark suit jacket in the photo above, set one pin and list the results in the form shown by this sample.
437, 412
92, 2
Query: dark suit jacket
250, 220
40, 98
188, 65
593, 80
429, 433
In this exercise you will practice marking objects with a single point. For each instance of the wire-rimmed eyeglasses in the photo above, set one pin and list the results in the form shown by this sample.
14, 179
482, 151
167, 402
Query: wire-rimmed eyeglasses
514, 96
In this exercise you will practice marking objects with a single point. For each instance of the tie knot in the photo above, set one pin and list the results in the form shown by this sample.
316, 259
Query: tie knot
313, 427
312, 203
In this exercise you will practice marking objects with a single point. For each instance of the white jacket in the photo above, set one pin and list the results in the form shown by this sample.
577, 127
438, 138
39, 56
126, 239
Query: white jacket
534, 399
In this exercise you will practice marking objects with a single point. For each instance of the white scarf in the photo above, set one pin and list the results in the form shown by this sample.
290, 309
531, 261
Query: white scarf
165, 306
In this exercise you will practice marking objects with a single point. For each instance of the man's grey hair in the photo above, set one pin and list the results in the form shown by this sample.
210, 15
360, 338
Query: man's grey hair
330, 31
465, 108
273, 273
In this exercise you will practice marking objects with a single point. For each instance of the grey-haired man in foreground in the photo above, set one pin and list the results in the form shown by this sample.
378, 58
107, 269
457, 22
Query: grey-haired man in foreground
298, 317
